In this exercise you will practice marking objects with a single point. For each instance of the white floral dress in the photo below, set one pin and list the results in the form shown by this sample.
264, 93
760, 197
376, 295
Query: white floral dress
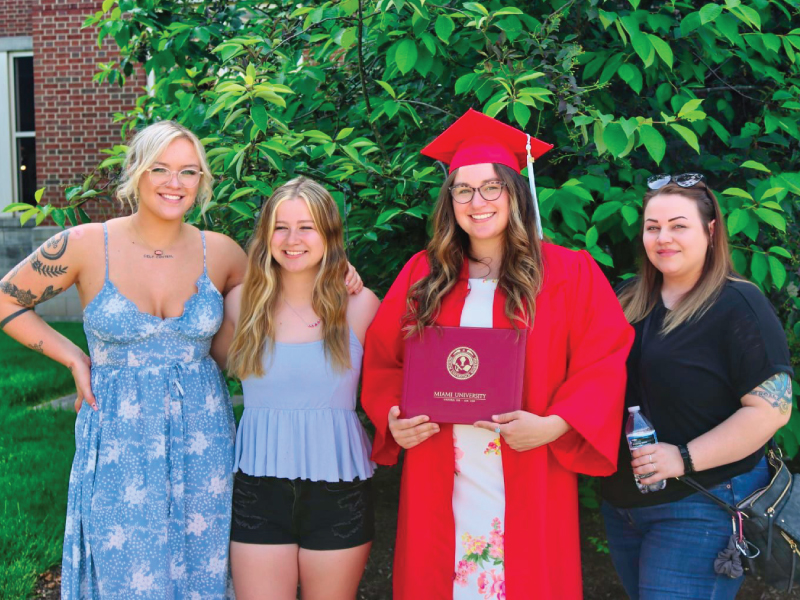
148, 516
479, 490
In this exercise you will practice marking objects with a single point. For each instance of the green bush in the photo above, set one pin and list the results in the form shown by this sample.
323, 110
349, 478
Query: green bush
348, 93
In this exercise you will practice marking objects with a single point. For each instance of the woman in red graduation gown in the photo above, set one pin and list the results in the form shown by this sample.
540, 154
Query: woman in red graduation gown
491, 510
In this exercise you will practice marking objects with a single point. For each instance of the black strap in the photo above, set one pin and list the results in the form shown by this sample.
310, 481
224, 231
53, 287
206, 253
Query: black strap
730, 508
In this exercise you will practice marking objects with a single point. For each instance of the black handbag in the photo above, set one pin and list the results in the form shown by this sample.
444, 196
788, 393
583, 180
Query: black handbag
766, 524
769, 540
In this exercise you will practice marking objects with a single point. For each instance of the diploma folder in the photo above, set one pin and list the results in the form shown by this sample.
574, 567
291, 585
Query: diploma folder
463, 374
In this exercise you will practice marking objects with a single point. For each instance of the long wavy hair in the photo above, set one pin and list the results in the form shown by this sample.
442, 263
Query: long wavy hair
641, 296
261, 294
521, 271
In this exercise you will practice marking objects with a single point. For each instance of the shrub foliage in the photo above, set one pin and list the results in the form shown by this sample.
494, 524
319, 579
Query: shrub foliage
348, 92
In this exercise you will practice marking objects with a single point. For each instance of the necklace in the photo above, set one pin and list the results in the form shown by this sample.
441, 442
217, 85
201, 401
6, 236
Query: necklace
314, 324
156, 253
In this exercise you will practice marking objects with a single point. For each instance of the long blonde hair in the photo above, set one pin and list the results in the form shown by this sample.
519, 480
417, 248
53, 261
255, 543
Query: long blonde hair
255, 331
145, 149
641, 296
521, 271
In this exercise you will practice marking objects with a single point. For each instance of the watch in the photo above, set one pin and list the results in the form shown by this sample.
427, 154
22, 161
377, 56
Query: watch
688, 465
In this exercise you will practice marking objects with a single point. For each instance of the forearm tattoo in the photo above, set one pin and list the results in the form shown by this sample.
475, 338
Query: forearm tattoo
777, 390
37, 347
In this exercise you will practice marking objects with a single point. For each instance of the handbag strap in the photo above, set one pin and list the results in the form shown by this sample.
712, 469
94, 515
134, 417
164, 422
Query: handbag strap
729, 508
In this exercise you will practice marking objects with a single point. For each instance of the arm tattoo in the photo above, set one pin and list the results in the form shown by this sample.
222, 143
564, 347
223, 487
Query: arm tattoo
777, 390
57, 245
37, 347
26, 297
46, 270
13, 316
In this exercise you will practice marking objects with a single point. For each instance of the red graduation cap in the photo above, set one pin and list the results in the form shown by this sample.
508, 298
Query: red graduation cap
475, 139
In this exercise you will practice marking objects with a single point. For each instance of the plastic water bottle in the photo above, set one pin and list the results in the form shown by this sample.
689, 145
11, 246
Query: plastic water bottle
640, 433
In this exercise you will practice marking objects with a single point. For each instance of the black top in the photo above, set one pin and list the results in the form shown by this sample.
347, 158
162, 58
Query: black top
694, 379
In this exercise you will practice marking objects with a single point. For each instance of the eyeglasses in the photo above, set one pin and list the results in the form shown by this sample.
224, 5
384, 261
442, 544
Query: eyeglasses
187, 177
685, 180
490, 191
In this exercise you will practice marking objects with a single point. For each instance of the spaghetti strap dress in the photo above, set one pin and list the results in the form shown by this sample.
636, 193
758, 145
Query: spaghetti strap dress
149, 507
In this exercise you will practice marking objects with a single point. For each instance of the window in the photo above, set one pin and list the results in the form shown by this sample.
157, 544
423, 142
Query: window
17, 127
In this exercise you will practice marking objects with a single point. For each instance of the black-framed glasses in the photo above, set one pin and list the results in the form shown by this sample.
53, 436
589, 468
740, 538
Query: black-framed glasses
187, 177
685, 180
490, 191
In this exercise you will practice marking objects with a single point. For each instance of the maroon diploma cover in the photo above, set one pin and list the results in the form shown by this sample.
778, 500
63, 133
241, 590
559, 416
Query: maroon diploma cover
463, 374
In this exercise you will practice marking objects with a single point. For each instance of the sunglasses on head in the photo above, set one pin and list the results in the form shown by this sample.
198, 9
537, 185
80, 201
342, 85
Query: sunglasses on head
685, 180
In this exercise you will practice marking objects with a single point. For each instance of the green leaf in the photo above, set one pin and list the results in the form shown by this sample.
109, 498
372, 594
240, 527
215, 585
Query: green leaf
632, 76
444, 28
709, 13
644, 48
522, 114
527, 77
751, 164
738, 220
592, 236
476, 7
654, 142
690, 106
688, 135
781, 252
752, 16
17, 207
630, 214
387, 215
259, 115
605, 210
510, 10
107, 4
662, 49
406, 56
465, 83
772, 218
348, 37
739, 261
38, 195
389, 89
344, 133
777, 271
242, 192
615, 139
759, 267
738, 192
772, 192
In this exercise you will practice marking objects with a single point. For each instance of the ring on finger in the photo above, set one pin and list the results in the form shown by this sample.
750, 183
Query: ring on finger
651, 458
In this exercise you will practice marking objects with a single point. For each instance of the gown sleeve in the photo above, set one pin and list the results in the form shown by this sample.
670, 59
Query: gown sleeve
382, 379
592, 397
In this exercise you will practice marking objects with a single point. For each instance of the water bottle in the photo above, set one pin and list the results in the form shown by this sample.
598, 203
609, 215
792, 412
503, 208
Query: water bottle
640, 433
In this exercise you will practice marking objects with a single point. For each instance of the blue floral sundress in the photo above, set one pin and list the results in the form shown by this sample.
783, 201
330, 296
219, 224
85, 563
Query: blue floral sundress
149, 505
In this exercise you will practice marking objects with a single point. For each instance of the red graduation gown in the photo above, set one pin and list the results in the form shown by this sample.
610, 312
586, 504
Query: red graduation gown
574, 368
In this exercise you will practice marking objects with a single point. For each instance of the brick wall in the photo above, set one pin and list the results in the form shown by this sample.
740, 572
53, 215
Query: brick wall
15, 17
74, 115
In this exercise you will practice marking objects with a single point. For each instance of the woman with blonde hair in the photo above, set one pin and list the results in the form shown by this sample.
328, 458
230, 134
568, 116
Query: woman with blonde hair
710, 368
149, 496
302, 500
490, 510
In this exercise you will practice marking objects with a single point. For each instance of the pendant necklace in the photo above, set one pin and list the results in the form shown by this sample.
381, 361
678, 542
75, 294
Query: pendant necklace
156, 253
314, 324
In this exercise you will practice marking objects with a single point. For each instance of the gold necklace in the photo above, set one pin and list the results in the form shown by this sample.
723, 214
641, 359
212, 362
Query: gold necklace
314, 324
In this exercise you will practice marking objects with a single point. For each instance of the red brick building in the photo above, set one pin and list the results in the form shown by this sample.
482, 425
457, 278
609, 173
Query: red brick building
54, 119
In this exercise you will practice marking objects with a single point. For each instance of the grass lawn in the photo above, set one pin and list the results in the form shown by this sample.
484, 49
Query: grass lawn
28, 377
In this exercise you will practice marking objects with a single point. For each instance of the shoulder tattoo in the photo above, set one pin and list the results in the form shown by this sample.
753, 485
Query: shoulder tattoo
777, 390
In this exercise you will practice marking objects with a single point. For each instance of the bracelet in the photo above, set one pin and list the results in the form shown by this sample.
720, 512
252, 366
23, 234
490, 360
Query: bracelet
688, 465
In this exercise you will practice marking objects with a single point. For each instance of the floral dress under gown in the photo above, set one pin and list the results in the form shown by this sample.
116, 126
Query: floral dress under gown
479, 498
150, 489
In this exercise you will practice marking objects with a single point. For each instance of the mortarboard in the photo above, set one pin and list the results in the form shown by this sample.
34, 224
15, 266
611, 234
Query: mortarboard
475, 138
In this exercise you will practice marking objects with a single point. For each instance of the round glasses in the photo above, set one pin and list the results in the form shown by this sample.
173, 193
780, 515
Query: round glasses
187, 177
490, 191
685, 180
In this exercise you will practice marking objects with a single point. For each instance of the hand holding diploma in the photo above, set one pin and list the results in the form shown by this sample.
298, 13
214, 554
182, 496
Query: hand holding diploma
410, 432
525, 431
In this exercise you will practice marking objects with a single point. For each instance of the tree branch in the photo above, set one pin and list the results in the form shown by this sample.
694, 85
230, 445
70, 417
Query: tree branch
364, 82
727, 85
447, 112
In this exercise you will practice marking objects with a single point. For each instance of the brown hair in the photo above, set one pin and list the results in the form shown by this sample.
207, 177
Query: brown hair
639, 298
255, 331
521, 271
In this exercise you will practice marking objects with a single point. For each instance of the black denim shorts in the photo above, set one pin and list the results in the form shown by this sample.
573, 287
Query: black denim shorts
315, 515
